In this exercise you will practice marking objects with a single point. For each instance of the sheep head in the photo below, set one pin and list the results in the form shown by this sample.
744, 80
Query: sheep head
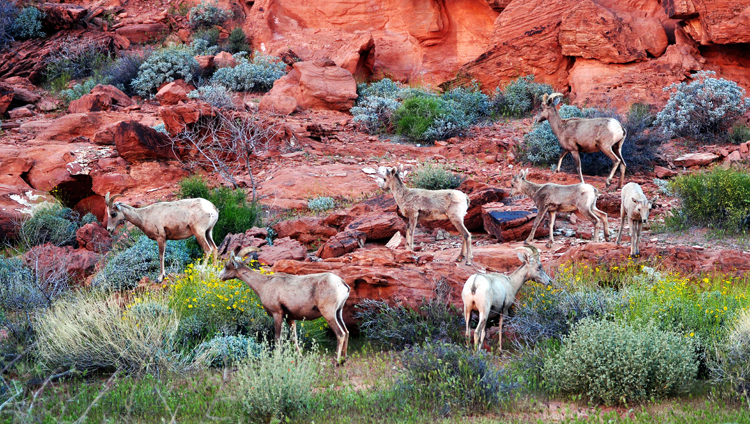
530, 259
549, 102
392, 177
516, 183
235, 263
641, 209
115, 216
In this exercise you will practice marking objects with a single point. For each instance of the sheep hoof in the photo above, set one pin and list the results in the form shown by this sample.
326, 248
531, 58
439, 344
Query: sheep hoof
468, 263
549, 244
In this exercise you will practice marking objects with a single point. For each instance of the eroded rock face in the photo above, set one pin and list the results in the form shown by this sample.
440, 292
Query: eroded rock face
48, 259
713, 21
137, 142
94, 237
173, 93
318, 85
143, 33
282, 249
306, 230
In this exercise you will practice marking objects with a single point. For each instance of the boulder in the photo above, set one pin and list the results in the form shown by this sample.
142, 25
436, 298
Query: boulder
6, 97
224, 60
255, 237
378, 226
342, 243
283, 248
307, 230
91, 103
143, 33
178, 117
696, 159
49, 260
20, 112
651, 33
74, 125
278, 104
136, 142
59, 16
509, 225
117, 97
173, 92
318, 85
717, 21
609, 203
662, 172
93, 204
95, 238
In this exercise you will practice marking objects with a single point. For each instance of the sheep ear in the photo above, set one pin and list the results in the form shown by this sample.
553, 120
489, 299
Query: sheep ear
522, 257
556, 101
117, 205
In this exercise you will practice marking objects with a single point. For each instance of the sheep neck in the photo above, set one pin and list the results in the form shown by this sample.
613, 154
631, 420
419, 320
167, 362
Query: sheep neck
518, 277
555, 122
134, 217
529, 188
255, 280
399, 190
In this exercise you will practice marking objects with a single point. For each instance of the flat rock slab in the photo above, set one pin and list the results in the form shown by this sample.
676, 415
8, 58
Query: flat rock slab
696, 159
509, 226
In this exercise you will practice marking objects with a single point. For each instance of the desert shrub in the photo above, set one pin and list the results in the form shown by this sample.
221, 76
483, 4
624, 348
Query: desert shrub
162, 66
204, 46
78, 58
28, 24
8, 13
448, 378
475, 104
92, 331
236, 214
23, 288
540, 144
207, 15
209, 35
397, 327
373, 114
704, 109
78, 90
237, 41
257, 75
616, 363
277, 383
523, 95
428, 118
321, 203
125, 268
739, 133
215, 95
434, 176
385, 88
719, 198
223, 351
731, 363
123, 70
51, 223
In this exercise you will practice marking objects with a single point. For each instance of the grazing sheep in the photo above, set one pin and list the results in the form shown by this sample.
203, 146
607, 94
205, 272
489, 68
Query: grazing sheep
634, 207
587, 135
495, 293
296, 297
168, 221
416, 203
555, 198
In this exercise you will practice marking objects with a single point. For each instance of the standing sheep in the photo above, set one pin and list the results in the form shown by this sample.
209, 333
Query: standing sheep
634, 207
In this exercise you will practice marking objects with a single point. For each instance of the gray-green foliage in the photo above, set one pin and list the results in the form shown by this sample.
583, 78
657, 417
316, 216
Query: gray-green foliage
434, 176
163, 66
373, 113
256, 75
277, 383
215, 95
523, 95
321, 203
731, 362
8, 13
223, 351
540, 144
206, 15
78, 90
704, 109
51, 223
125, 268
18, 288
28, 24
77, 58
616, 363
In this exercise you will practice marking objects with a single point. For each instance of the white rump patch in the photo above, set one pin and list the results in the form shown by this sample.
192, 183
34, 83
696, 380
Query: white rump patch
615, 127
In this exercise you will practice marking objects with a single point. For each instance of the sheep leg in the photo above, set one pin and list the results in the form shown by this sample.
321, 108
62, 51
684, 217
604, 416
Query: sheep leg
339, 329
340, 322
635, 244
466, 236
277, 321
413, 219
559, 161
552, 215
622, 226
618, 152
162, 247
467, 318
594, 219
500, 333
293, 329
603, 217
479, 331
615, 159
537, 220
577, 157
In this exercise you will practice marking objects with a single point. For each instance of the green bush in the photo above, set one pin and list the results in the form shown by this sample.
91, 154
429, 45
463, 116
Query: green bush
125, 268
51, 223
523, 95
719, 198
448, 378
28, 24
474, 104
237, 41
429, 118
236, 214
215, 95
257, 75
278, 383
210, 36
731, 364
223, 351
77, 58
78, 90
619, 364
321, 203
207, 15
434, 176
162, 66
739, 133
704, 109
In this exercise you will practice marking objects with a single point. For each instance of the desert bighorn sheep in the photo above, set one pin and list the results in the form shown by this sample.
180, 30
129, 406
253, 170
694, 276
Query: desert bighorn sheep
555, 198
417, 203
634, 207
164, 221
587, 135
495, 293
295, 297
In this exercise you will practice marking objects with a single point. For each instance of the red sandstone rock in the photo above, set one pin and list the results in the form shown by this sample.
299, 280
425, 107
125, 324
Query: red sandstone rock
173, 93
205, 63
93, 204
74, 125
178, 117
224, 60
115, 183
59, 16
91, 103
283, 248
306, 230
718, 21
508, 226
20, 112
117, 97
695, 159
278, 104
609, 203
651, 33
342, 243
143, 33
662, 172
48, 259
6, 97
94, 237
255, 237
136, 142
378, 226
318, 85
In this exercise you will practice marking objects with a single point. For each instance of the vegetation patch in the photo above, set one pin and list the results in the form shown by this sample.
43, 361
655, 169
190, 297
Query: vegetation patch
433, 176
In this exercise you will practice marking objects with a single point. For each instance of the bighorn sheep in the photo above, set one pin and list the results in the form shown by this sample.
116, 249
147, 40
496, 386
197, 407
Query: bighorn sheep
168, 221
416, 203
295, 297
555, 198
587, 135
635, 207
495, 293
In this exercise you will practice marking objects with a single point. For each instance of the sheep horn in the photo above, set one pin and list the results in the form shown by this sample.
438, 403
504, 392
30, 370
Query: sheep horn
110, 200
533, 250
247, 250
553, 96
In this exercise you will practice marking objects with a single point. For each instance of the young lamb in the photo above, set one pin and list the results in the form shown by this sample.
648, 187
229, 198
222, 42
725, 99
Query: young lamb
555, 198
587, 135
494, 293
634, 207
168, 221
416, 203
296, 297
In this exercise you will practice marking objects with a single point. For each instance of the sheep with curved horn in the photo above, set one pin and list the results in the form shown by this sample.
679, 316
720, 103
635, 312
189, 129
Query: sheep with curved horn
164, 221
587, 135
495, 293
295, 297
